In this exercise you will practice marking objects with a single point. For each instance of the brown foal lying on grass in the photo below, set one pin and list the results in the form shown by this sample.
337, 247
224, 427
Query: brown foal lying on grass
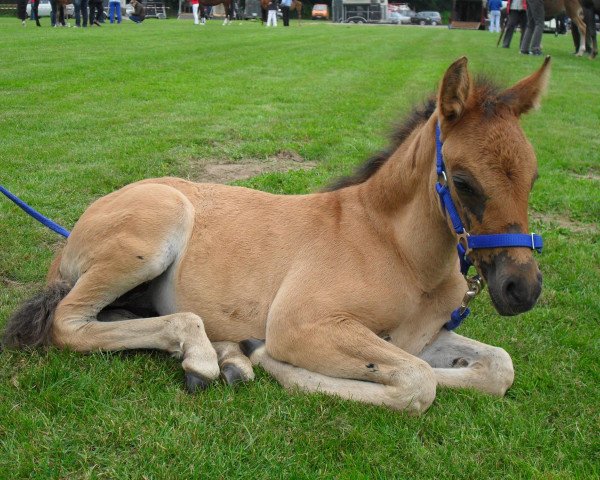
350, 288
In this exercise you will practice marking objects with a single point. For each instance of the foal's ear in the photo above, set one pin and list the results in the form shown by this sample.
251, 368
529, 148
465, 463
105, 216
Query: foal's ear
454, 91
527, 93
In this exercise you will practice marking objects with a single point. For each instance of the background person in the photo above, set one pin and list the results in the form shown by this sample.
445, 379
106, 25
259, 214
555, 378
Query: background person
285, 11
195, 6
114, 6
35, 15
96, 12
494, 7
57, 14
139, 12
517, 17
272, 13
531, 43
81, 9
22, 11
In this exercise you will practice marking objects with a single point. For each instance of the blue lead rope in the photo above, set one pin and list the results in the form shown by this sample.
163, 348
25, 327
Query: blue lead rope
473, 242
35, 214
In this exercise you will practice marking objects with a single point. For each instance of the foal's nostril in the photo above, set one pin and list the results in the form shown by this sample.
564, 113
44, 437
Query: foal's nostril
512, 292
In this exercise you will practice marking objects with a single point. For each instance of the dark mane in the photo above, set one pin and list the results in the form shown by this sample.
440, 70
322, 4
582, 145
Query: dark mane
487, 95
418, 115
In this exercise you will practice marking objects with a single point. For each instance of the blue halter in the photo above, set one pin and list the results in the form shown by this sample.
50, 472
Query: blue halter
467, 242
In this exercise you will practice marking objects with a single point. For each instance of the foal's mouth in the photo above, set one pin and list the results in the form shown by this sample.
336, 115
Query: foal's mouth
507, 309
514, 288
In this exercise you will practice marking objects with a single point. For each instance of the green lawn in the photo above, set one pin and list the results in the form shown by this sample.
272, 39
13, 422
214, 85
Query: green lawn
83, 112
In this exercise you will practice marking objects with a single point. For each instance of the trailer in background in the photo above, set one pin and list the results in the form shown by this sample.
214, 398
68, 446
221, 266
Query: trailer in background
359, 11
468, 14
252, 10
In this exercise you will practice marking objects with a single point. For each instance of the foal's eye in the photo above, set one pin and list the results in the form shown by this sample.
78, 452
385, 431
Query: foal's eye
462, 186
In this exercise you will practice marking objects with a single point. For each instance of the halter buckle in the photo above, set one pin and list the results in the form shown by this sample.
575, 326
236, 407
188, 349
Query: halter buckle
475, 285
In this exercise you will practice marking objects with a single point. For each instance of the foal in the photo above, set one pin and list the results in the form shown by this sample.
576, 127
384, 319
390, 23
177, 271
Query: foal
351, 288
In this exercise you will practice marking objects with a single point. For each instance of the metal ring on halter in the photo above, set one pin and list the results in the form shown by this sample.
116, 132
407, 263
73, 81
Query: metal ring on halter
532, 242
463, 239
442, 179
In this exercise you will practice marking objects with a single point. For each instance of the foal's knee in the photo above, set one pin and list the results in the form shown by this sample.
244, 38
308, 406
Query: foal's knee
415, 390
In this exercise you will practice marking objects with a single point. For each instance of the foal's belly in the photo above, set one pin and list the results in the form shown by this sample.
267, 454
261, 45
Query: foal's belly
229, 312
230, 321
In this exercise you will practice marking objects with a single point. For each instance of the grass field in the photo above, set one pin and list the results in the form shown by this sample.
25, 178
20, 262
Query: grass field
83, 112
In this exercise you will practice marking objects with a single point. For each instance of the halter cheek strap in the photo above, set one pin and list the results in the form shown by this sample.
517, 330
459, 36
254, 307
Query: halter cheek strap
467, 242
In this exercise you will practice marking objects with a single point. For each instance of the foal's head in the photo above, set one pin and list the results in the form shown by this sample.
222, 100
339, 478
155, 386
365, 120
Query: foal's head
491, 168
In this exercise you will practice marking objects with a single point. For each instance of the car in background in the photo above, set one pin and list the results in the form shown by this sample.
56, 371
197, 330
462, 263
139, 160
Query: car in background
44, 9
320, 11
394, 17
427, 18
401, 17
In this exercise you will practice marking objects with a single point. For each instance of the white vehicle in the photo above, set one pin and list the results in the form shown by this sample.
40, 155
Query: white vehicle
401, 17
44, 9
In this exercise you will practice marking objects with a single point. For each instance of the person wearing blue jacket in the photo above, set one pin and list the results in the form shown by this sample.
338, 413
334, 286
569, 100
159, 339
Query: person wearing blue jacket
494, 7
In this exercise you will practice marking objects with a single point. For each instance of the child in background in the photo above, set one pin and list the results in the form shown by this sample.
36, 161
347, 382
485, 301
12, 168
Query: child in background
114, 6
272, 17
494, 7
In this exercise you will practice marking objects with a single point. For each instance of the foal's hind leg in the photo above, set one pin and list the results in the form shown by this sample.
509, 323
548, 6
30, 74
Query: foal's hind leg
235, 366
182, 334
123, 240
460, 362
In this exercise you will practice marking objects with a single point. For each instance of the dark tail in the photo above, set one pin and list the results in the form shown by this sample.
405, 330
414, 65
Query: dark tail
31, 324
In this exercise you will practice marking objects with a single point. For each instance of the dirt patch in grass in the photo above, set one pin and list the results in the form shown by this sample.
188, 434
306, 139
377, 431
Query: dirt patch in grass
590, 175
215, 171
564, 222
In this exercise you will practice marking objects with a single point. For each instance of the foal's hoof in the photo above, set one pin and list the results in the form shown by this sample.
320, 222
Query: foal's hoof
248, 347
232, 375
194, 382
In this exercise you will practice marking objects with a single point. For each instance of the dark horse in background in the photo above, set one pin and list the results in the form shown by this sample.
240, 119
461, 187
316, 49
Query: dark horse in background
296, 6
591, 8
575, 10
227, 4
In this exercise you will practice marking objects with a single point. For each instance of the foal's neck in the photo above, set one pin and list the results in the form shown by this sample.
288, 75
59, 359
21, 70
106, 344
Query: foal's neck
403, 192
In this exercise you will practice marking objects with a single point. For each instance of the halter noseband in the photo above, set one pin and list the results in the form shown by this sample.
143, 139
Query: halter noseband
467, 242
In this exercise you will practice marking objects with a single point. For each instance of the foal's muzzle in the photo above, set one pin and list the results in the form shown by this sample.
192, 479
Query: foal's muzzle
514, 287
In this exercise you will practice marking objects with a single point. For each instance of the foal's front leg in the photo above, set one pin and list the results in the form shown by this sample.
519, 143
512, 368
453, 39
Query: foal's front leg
461, 362
340, 356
